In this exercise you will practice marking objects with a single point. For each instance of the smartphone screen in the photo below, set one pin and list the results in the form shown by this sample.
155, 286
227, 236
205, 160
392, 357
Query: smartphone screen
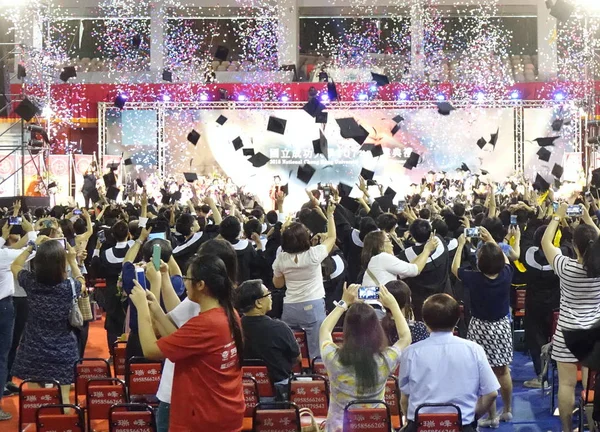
575, 211
140, 276
156, 256
162, 236
15, 220
368, 293
77, 212
472, 232
101, 236
513, 219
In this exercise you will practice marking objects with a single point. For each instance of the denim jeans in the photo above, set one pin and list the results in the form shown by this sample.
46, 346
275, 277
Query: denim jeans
162, 417
7, 321
308, 315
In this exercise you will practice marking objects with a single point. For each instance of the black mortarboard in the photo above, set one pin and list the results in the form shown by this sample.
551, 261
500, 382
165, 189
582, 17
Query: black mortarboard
321, 117
390, 192
258, 160
313, 107
481, 142
222, 120
395, 129
380, 80
320, 145
444, 108
377, 150
139, 182
237, 143
190, 177
305, 173
349, 128
557, 171
248, 152
385, 202
557, 125
27, 109
543, 154
176, 196
494, 138
109, 179
166, 197
193, 137
366, 147
167, 75
398, 118
113, 166
484, 172
68, 72
332, 93
412, 161
350, 204
222, 53
112, 193
546, 141
561, 10
540, 184
367, 174
464, 167
127, 162
120, 101
51, 185
557, 183
276, 125
344, 190
596, 178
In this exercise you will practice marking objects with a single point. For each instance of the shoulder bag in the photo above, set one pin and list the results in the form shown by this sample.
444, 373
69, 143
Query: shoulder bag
75, 316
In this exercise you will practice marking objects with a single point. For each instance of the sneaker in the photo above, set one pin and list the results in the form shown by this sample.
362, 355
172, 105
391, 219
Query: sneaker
5, 415
505, 417
489, 423
535, 383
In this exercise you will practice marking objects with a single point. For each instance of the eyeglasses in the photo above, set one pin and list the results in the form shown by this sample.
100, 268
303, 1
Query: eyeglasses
188, 278
263, 296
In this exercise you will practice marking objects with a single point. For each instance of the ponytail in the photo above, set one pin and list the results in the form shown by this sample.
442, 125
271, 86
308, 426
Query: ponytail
591, 259
234, 326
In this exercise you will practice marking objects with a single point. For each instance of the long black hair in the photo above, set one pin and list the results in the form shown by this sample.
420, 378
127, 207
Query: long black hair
588, 244
212, 271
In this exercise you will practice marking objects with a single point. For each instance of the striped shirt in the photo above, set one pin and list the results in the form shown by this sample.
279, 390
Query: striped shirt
579, 303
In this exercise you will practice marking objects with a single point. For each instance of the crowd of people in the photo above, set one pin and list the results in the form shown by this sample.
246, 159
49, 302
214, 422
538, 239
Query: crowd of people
207, 283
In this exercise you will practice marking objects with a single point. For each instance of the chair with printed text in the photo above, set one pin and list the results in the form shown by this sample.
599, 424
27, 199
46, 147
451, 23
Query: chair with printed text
257, 369
311, 391
392, 399
251, 398
450, 420
86, 369
119, 358
374, 418
33, 395
131, 417
301, 338
276, 417
101, 395
142, 378
318, 367
55, 418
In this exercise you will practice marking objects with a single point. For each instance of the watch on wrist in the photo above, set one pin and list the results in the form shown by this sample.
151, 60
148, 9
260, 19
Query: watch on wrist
341, 304
556, 218
32, 244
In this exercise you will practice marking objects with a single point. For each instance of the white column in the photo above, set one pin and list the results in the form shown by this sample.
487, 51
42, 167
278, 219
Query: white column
417, 40
288, 36
546, 40
157, 38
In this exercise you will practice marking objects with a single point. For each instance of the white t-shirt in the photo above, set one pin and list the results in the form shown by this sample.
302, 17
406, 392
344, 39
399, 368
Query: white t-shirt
182, 313
386, 267
303, 279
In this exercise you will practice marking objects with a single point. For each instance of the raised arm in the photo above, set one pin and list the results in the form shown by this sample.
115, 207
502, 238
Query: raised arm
214, 209
133, 251
168, 294
390, 303
428, 249
139, 297
458, 255
349, 296
550, 251
329, 242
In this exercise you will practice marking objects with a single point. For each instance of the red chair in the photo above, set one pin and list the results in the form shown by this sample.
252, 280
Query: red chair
310, 391
300, 335
30, 399
257, 369
338, 337
438, 422
131, 417
318, 367
520, 302
101, 394
252, 399
276, 417
586, 396
51, 418
373, 419
142, 377
86, 369
392, 399
119, 358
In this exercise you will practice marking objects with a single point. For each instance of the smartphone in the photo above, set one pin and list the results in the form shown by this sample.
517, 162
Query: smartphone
368, 293
77, 212
472, 232
62, 241
555, 206
575, 211
513, 220
401, 205
156, 256
101, 236
15, 220
158, 235
140, 276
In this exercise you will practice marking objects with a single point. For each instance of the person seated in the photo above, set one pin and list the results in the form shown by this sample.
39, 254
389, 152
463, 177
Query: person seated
418, 330
267, 339
446, 369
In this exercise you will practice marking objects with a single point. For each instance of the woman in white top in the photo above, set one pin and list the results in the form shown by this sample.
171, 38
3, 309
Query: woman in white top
579, 301
298, 268
379, 262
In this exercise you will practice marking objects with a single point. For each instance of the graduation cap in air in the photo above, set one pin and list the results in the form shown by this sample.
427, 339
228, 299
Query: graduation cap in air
367, 147
51, 185
557, 125
320, 145
321, 117
248, 152
540, 184
332, 93
445, 108
398, 118
377, 150
109, 179
258, 160
390, 192
285, 189
484, 172
190, 177
561, 10
557, 171
113, 166
464, 167
112, 193
494, 138
412, 161
349, 204
167, 75
193, 137
222, 120
543, 154
305, 173
380, 80
276, 125
313, 107
349, 128
367, 174
27, 109
222, 53
237, 143
94, 195
481, 142
344, 190
395, 129
546, 141
128, 162
139, 182
68, 72
385, 202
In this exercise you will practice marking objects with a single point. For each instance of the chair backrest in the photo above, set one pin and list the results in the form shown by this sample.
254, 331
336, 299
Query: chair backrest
131, 418
101, 394
251, 395
119, 358
392, 395
142, 377
375, 418
310, 391
30, 399
338, 337
318, 367
257, 369
300, 335
51, 418
86, 369
448, 421
276, 417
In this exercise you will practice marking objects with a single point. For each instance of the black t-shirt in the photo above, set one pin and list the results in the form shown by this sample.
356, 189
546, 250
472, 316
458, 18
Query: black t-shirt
490, 298
271, 341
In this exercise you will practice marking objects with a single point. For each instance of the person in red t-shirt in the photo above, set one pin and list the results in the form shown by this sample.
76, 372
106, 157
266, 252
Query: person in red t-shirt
207, 350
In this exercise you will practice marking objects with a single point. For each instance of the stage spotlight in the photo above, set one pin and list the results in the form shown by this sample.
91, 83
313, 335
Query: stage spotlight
515, 95
362, 97
441, 97
480, 96
284, 98
35, 146
559, 96
203, 97
166, 98
325, 97
120, 100
242, 98
47, 112
35, 128
373, 89
403, 96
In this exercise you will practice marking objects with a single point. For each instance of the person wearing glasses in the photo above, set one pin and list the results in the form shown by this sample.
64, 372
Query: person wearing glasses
264, 338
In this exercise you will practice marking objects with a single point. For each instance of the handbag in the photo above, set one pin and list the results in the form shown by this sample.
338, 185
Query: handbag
75, 316
313, 427
372, 276
85, 306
